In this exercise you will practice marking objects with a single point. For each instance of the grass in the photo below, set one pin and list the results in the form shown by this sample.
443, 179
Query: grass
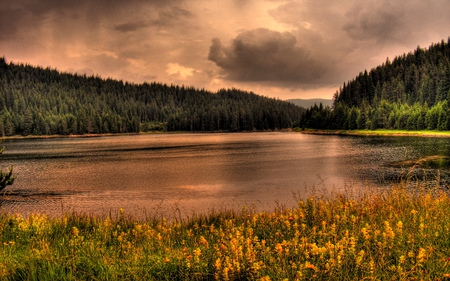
425, 133
396, 234
379, 132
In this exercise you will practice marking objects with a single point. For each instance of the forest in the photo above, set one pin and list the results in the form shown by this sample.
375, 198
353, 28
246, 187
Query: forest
411, 92
44, 101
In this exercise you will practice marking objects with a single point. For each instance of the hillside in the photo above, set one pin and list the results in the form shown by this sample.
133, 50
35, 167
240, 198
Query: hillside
411, 93
307, 103
39, 101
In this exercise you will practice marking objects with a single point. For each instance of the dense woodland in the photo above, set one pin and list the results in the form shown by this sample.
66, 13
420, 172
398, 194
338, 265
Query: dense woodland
38, 101
412, 92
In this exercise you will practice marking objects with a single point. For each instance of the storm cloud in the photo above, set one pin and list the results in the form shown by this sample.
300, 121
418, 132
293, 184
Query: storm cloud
374, 22
281, 48
265, 55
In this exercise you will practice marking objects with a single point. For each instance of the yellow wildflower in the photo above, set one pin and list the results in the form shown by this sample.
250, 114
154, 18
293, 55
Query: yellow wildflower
421, 255
400, 226
203, 241
388, 232
422, 226
372, 266
75, 231
366, 233
197, 254
310, 266
279, 248
360, 257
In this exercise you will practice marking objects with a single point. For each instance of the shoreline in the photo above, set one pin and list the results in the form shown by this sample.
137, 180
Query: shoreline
362, 133
381, 133
20, 137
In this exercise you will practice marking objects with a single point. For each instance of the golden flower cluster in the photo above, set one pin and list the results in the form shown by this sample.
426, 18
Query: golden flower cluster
401, 234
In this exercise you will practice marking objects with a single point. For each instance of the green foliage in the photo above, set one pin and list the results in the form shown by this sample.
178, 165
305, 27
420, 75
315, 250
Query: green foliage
409, 93
41, 101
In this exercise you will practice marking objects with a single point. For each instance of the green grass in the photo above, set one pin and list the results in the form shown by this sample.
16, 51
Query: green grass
431, 133
396, 234
378, 132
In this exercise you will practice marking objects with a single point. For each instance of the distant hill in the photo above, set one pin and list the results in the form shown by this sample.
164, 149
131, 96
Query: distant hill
40, 101
411, 92
307, 103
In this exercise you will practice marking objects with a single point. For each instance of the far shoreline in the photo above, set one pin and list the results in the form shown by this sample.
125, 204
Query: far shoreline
76, 136
80, 136
362, 133
381, 132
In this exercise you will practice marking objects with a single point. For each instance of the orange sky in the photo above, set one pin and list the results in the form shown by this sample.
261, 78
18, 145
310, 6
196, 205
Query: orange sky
275, 48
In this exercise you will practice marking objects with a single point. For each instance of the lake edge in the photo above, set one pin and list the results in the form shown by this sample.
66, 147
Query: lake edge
381, 133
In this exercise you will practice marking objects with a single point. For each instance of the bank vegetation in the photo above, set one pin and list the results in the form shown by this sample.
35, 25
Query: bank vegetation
395, 234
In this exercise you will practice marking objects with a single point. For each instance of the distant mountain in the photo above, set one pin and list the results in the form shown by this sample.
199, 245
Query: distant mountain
307, 103
39, 101
411, 92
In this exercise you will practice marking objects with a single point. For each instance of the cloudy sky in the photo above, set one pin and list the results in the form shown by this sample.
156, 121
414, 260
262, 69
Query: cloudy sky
276, 48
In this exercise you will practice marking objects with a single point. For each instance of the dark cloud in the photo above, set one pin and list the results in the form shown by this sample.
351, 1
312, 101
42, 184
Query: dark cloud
22, 15
8, 24
25, 18
327, 42
129, 27
176, 12
355, 35
172, 16
265, 55
368, 21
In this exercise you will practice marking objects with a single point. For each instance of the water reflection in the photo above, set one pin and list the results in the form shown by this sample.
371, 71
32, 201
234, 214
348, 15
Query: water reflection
162, 174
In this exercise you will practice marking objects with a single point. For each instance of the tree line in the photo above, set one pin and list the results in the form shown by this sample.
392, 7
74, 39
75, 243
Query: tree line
44, 101
411, 93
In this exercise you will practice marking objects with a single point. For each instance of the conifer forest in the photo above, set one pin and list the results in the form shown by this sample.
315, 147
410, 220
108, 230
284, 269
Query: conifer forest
411, 92
44, 101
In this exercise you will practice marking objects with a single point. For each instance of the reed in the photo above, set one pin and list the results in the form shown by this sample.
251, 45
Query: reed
382, 234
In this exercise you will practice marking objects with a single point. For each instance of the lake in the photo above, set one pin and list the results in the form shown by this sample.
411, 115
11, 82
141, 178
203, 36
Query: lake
185, 174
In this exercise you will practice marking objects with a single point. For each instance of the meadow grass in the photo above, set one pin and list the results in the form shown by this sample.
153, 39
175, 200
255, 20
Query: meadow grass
378, 132
425, 133
400, 233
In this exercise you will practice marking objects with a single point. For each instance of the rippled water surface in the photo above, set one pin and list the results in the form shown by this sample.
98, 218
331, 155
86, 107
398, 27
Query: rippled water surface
172, 174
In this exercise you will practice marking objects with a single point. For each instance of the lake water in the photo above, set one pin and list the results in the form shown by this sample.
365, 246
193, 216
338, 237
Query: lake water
173, 174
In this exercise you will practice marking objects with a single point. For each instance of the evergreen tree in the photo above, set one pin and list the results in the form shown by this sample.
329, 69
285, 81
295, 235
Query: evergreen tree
411, 92
39, 101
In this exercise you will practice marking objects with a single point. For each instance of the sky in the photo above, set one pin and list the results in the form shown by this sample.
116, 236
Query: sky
284, 49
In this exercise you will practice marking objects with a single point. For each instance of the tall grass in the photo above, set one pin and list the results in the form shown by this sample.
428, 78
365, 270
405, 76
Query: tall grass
399, 234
